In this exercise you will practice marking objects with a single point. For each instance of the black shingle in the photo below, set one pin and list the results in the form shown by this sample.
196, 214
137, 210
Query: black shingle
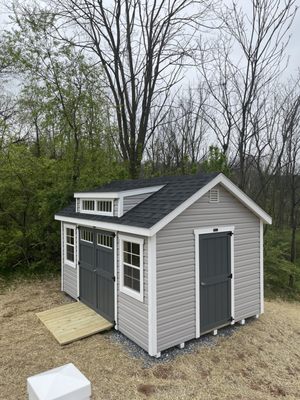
176, 190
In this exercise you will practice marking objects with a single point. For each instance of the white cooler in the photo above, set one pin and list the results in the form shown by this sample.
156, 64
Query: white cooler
62, 383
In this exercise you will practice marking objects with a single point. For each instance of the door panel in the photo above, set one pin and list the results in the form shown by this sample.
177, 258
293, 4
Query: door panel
87, 284
97, 275
105, 281
215, 280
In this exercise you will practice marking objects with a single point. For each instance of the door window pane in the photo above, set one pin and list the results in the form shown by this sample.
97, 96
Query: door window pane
86, 235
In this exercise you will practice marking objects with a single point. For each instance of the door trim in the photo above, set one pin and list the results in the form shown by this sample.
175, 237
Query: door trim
197, 233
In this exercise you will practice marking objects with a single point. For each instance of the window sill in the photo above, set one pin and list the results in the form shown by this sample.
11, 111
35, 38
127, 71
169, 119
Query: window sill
132, 293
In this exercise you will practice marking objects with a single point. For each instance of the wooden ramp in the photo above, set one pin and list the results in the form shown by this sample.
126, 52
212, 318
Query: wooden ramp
72, 322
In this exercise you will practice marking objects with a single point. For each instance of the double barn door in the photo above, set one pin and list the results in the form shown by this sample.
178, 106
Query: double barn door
96, 271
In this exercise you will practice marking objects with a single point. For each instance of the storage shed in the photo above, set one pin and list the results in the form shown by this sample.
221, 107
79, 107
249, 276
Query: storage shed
165, 259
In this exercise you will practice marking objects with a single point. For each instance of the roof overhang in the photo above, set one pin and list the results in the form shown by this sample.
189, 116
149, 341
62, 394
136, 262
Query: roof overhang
116, 195
109, 226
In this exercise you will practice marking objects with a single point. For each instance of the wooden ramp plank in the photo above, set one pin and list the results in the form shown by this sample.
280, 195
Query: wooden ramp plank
72, 322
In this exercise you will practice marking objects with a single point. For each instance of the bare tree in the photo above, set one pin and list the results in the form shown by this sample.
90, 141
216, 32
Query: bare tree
178, 144
143, 47
247, 62
292, 168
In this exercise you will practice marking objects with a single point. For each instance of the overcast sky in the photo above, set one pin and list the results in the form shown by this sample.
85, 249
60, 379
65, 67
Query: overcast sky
293, 49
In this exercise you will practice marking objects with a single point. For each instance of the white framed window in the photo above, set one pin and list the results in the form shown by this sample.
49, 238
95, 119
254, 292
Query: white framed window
88, 205
104, 240
104, 206
131, 266
69, 248
86, 235
97, 206
214, 196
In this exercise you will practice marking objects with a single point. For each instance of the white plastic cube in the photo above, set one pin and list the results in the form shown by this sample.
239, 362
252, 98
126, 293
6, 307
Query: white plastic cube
62, 383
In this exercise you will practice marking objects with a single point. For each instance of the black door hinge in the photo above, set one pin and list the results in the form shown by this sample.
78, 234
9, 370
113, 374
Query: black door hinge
230, 233
114, 278
230, 276
231, 319
78, 262
113, 235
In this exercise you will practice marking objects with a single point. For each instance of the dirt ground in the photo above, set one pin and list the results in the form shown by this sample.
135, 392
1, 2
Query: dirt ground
258, 361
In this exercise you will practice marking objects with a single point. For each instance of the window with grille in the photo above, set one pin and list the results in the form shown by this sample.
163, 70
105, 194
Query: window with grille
104, 240
104, 206
132, 267
97, 206
86, 235
88, 205
69, 254
214, 196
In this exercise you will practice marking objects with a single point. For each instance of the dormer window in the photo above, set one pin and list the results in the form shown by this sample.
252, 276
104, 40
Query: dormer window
97, 206
104, 206
88, 205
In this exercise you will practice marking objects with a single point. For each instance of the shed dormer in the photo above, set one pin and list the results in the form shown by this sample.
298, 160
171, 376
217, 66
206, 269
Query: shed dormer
111, 204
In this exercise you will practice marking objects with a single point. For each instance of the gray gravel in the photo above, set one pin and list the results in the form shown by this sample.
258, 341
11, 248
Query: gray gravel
168, 355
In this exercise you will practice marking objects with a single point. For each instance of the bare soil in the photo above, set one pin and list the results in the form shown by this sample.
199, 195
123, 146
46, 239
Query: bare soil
259, 361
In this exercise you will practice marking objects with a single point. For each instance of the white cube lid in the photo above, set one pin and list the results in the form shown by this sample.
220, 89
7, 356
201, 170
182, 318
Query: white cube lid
62, 383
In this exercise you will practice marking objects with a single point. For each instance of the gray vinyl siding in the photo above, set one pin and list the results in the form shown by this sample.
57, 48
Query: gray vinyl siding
132, 313
69, 273
131, 201
176, 265
70, 281
115, 207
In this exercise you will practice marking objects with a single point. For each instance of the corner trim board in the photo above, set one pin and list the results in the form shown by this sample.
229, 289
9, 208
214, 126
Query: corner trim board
261, 266
152, 300
77, 261
62, 254
116, 280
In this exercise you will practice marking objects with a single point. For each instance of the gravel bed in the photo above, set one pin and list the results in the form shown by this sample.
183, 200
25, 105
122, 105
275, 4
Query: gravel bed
137, 352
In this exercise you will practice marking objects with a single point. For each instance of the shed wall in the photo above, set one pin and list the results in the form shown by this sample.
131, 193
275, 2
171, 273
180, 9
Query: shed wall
131, 201
176, 265
132, 313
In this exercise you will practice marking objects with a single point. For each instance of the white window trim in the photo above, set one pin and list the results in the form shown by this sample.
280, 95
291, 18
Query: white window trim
95, 212
124, 289
203, 231
66, 261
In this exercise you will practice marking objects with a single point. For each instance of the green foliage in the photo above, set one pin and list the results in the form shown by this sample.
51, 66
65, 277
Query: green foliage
278, 268
32, 189
60, 141
216, 161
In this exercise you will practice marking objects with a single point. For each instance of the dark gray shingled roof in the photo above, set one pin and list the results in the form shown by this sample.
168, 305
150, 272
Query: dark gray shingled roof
176, 190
